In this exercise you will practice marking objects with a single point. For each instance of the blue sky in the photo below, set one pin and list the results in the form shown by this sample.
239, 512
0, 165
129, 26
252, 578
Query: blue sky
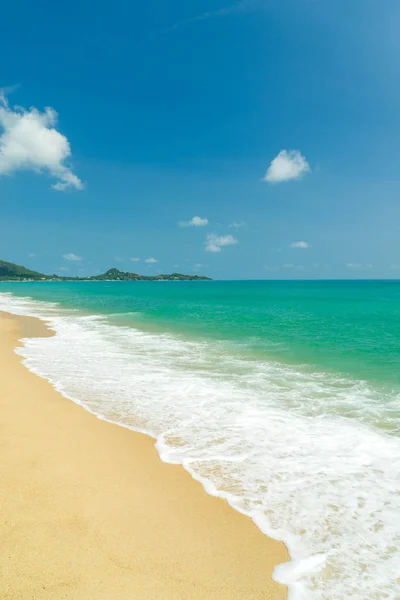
165, 111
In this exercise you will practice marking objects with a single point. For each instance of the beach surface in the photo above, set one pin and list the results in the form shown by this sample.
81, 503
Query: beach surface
89, 511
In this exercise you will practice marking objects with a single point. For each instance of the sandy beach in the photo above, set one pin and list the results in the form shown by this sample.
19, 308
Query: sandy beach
89, 511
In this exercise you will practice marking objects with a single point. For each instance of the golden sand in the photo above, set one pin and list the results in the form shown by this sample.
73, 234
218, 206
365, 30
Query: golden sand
89, 512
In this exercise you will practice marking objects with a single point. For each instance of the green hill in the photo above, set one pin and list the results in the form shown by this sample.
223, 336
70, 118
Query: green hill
11, 271
116, 275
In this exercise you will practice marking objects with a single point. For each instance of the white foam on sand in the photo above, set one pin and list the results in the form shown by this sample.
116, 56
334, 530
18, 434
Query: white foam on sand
296, 451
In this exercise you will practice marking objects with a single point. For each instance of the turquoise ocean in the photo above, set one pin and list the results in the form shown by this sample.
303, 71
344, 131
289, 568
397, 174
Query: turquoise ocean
282, 397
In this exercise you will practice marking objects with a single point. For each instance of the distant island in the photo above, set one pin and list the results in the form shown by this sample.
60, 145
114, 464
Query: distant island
11, 272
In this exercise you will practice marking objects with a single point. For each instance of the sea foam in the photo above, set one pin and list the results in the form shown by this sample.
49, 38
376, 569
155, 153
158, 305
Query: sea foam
312, 458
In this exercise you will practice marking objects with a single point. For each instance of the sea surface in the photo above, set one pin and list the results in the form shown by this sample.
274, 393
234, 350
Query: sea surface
282, 397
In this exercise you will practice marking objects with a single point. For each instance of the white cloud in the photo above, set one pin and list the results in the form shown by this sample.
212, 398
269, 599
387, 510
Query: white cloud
238, 7
284, 266
134, 259
151, 261
358, 266
29, 141
72, 257
299, 245
215, 242
289, 164
238, 224
194, 222
198, 266
63, 269
31, 255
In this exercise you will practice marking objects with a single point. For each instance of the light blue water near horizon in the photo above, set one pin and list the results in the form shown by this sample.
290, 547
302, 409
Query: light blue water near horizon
282, 397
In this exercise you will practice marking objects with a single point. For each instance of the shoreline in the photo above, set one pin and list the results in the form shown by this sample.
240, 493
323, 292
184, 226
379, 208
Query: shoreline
90, 510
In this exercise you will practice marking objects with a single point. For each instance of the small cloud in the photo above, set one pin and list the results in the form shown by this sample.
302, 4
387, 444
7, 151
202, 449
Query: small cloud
31, 255
151, 261
30, 142
63, 268
242, 6
299, 245
214, 242
194, 222
289, 164
119, 259
284, 266
359, 266
237, 224
176, 266
198, 266
394, 267
134, 259
72, 257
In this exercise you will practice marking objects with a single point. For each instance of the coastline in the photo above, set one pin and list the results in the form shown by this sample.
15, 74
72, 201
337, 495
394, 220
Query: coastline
90, 511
